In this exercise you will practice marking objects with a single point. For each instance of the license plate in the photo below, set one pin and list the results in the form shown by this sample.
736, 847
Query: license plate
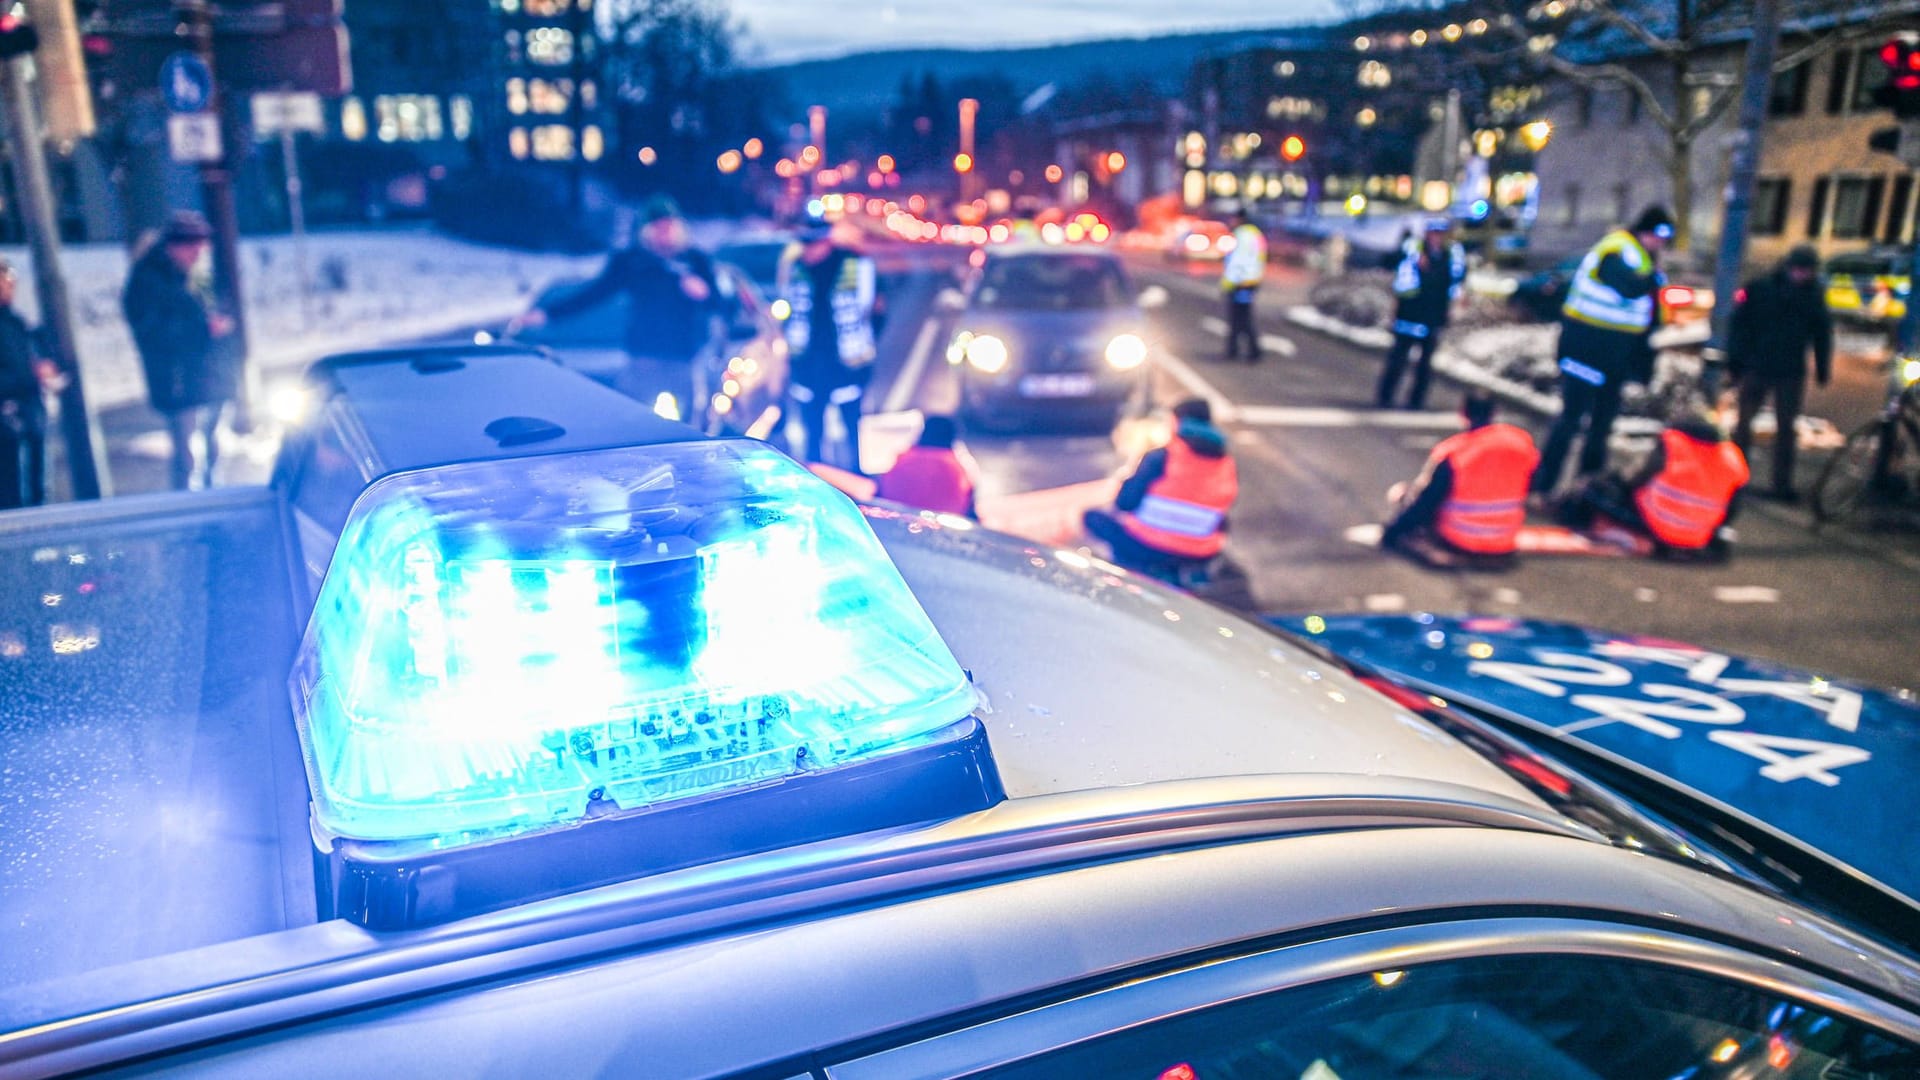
1056, 386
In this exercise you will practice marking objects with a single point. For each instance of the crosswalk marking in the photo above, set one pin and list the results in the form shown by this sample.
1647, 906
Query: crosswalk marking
1213, 324
1310, 416
904, 387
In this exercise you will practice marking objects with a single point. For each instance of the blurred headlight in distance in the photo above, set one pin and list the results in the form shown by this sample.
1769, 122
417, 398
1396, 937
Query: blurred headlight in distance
481, 337
665, 407
1910, 371
781, 310
289, 403
1126, 352
987, 353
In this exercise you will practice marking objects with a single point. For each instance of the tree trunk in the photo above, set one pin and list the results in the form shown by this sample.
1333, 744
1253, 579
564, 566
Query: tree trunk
1680, 180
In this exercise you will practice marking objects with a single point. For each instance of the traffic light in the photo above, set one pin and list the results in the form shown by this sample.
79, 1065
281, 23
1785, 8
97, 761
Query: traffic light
1901, 91
1293, 147
17, 36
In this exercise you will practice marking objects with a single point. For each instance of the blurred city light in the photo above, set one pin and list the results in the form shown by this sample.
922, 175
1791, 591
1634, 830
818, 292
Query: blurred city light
647, 155
753, 149
963, 163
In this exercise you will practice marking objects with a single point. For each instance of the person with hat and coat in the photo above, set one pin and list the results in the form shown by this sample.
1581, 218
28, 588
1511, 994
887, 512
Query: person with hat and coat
169, 306
1776, 320
24, 374
674, 297
830, 291
1611, 309
1425, 283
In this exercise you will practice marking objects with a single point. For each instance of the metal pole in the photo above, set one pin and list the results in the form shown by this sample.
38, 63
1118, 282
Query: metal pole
297, 218
86, 456
216, 183
1745, 165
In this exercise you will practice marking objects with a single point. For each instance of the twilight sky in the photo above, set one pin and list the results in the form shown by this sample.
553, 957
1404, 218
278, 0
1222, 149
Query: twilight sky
783, 30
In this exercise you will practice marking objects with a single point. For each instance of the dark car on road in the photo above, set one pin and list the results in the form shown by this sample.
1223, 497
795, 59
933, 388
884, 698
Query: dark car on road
1050, 332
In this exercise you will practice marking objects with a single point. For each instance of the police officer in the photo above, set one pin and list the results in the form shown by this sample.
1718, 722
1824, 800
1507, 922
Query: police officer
1776, 320
936, 473
1425, 284
830, 294
1611, 308
22, 414
1471, 496
674, 298
1681, 495
1171, 514
1241, 273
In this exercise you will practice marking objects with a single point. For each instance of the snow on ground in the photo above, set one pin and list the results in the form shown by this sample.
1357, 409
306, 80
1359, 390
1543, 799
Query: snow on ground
369, 289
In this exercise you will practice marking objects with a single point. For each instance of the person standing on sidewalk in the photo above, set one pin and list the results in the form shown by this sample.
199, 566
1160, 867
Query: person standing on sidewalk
23, 416
169, 307
1776, 319
830, 295
1241, 273
1612, 306
1425, 284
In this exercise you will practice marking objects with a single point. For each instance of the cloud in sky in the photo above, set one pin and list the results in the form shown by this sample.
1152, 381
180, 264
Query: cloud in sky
783, 30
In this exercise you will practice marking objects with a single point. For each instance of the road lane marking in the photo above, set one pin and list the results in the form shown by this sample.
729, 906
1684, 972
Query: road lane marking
1746, 594
1274, 343
1309, 416
1364, 535
904, 387
1196, 385
1506, 596
1384, 602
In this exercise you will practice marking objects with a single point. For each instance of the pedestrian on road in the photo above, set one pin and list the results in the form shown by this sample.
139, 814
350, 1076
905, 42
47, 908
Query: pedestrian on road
169, 306
674, 301
1241, 273
1472, 495
936, 473
1425, 284
23, 416
830, 295
1776, 319
1170, 516
1611, 309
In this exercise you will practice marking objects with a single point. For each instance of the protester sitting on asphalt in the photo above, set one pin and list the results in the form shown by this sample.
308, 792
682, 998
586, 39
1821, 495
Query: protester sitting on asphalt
1171, 514
1471, 497
1680, 497
1776, 320
936, 473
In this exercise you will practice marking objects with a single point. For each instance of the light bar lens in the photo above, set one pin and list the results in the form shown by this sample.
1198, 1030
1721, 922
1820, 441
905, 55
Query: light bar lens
500, 644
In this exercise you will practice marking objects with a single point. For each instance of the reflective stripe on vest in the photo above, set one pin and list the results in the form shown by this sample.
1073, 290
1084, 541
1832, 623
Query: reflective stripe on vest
1492, 467
1688, 500
1593, 302
1184, 510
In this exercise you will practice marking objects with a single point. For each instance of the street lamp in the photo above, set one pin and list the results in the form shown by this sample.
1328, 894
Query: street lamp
1536, 134
963, 163
1116, 161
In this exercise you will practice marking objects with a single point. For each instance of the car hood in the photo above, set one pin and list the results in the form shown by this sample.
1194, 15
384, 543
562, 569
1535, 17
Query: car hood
1051, 325
1826, 762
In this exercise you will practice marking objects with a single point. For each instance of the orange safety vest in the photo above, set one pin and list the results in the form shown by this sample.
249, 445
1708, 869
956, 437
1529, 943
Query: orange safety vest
1492, 466
1184, 512
930, 478
1688, 500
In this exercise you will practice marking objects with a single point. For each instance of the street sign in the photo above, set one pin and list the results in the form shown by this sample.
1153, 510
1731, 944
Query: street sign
193, 137
185, 83
295, 111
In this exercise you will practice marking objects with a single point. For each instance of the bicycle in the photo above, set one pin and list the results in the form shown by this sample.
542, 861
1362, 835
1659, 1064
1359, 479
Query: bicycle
1881, 458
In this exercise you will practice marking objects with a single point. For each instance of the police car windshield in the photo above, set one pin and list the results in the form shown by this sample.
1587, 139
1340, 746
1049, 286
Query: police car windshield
1050, 283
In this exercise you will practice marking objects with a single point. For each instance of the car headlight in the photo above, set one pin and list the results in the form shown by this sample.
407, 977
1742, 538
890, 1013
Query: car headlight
1126, 352
987, 353
1910, 371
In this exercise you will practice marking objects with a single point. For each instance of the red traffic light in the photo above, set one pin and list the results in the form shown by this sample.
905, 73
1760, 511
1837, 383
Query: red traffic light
1293, 147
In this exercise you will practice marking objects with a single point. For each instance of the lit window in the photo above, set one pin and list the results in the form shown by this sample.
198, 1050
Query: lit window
353, 119
509, 6
549, 97
1374, 74
1284, 69
553, 142
589, 94
460, 111
548, 8
549, 46
516, 96
592, 145
517, 142
408, 117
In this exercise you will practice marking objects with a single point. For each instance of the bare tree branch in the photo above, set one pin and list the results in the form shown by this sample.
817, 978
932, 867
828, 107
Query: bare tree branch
1610, 14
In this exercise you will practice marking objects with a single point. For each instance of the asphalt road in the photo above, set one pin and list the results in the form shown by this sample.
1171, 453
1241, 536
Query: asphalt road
1316, 461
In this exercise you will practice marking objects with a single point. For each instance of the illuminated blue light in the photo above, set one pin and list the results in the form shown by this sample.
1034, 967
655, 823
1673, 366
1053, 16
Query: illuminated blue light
499, 644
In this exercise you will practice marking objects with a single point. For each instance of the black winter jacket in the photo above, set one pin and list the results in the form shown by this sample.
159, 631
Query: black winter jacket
1773, 327
167, 312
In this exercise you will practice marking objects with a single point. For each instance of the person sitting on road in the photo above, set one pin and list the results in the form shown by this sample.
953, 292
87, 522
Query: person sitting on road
935, 473
1471, 497
1679, 498
1171, 514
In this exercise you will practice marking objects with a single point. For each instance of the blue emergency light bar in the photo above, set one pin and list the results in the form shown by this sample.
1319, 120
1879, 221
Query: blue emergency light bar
529, 672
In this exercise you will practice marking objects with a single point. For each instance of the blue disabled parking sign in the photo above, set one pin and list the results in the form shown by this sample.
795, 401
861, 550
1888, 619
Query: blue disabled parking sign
186, 83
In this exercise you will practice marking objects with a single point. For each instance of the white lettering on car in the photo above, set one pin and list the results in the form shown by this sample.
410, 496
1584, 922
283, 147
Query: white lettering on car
1786, 758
